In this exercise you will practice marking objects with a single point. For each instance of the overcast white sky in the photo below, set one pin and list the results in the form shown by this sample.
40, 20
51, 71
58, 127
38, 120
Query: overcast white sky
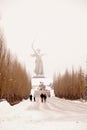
59, 28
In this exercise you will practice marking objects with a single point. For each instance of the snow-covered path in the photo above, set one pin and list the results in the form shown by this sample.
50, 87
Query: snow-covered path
58, 114
70, 110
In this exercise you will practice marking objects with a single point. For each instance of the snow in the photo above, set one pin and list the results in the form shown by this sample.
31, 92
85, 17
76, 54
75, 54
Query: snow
55, 114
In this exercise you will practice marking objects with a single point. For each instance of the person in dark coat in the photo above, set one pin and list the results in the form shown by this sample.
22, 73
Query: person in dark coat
34, 99
30, 97
41, 95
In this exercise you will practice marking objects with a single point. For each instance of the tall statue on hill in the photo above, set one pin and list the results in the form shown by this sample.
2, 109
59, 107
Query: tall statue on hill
38, 62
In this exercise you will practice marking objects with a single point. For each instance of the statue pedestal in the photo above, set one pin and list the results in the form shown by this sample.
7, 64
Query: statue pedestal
37, 79
37, 89
39, 76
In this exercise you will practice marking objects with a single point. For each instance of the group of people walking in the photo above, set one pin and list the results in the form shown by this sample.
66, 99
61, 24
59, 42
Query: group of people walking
43, 97
41, 93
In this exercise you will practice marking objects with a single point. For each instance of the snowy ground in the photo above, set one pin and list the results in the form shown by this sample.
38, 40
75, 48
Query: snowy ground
55, 114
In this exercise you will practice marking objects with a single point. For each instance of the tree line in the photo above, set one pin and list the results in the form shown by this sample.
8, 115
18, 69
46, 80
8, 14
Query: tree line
15, 82
70, 85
